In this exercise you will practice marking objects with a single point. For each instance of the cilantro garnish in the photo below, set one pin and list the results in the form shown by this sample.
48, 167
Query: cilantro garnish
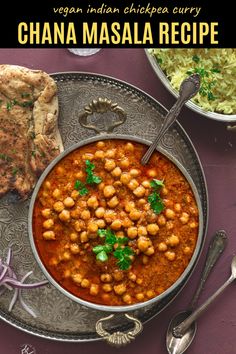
80, 186
91, 177
154, 199
122, 253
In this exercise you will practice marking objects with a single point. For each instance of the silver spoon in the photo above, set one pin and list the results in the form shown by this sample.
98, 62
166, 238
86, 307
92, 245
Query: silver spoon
181, 329
176, 345
188, 88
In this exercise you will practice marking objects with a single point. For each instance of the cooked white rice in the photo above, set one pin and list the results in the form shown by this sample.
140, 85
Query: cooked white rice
220, 95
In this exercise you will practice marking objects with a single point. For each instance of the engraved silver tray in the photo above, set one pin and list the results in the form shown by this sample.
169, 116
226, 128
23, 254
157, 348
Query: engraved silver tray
58, 317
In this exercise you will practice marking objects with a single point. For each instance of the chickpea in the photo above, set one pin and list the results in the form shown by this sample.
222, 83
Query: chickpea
184, 218
150, 251
162, 247
133, 184
92, 227
106, 278
84, 237
164, 191
74, 248
69, 202
116, 172
109, 165
187, 250
169, 225
77, 225
139, 296
187, 198
125, 178
193, 225
124, 163
120, 289
99, 154
67, 273
118, 275
79, 174
144, 243
60, 170
116, 225
153, 229
109, 216
77, 278
142, 231
58, 206
100, 144
82, 203
173, 240
111, 153
113, 202
132, 232
193, 211
56, 193
139, 191
177, 207
100, 212
85, 283
161, 220
74, 237
150, 294
170, 214
107, 288
64, 215
66, 256
48, 224
129, 206
75, 214
109, 191
101, 186
134, 172
117, 184
88, 156
100, 223
152, 173
170, 255
49, 235
85, 214
129, 147
142, 202
126, 222
139, 281
145, 259
92, 202
127, 299
132, 276
46, 213
94, 289
135, 214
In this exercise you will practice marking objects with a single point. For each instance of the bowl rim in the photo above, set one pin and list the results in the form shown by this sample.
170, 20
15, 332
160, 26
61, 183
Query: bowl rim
184, 277
223, 118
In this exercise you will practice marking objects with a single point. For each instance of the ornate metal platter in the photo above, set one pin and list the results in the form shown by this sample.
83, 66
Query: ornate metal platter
58, 317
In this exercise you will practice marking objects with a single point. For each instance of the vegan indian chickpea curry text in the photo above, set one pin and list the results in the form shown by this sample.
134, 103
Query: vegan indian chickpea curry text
112, 231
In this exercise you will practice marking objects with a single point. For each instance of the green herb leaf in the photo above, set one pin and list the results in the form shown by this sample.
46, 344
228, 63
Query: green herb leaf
111, 238
80, 186
98, 248
5, 157
156, 202
102, 256
102, 232
123, 256
91, 177
25, 95
156, 184
196, 58
122, 240
14, 171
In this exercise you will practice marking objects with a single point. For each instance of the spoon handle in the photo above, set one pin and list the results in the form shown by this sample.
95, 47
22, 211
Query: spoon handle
216, 247
188, 89
183, 326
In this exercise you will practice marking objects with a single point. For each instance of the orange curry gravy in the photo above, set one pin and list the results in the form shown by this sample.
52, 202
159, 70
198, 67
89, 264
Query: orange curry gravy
66, 224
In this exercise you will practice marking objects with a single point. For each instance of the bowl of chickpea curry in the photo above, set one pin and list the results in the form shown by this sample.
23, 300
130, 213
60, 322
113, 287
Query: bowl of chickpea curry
110, 233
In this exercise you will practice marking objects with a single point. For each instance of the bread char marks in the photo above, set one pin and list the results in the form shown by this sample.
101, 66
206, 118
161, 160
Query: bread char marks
29, 136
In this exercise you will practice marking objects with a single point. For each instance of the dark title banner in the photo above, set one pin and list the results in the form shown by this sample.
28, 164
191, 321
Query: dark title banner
113, 23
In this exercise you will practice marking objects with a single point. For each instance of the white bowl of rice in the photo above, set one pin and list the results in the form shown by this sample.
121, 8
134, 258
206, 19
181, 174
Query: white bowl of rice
217, 67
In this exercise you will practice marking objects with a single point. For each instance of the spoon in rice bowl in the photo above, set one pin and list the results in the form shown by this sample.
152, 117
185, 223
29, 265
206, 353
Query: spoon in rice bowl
188, 89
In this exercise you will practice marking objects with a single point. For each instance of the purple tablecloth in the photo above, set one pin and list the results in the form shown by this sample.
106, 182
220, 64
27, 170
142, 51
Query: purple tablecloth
217, 150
